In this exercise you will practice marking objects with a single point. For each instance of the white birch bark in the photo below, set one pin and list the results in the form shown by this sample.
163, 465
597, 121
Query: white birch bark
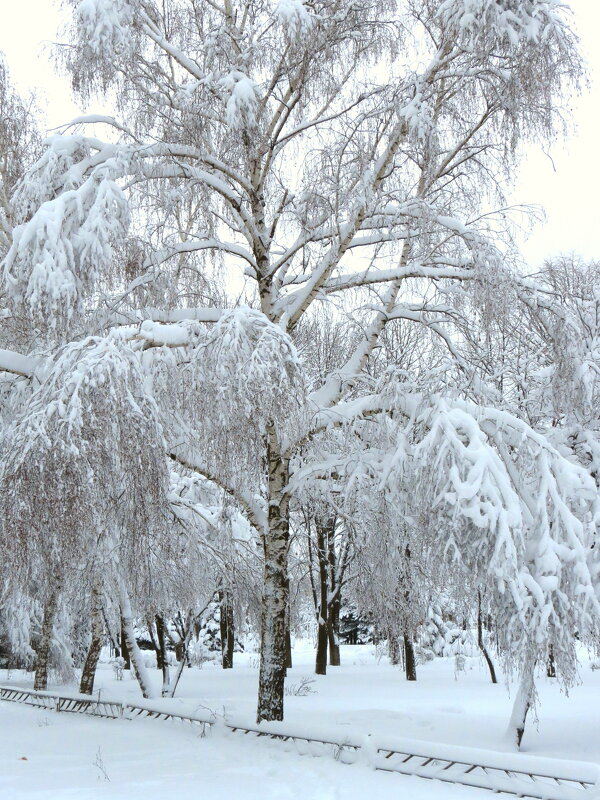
523, 702
141, 673
275, 592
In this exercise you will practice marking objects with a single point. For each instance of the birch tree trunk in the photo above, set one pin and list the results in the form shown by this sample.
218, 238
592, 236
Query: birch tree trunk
275, 591
141, 673
335, 603
161, 654
124, 648
523, 702
42, 660
88, 673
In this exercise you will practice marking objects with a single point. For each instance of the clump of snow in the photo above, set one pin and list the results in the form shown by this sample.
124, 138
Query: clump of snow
71, 214
106, 24
242, 102
183, 333
510, 21
295, 17
417, 115
251, 366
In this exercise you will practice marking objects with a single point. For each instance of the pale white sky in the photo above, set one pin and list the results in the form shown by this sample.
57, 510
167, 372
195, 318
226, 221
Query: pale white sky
567, 185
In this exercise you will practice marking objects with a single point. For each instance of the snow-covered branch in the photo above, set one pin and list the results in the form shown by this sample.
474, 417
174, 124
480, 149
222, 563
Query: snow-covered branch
18, 364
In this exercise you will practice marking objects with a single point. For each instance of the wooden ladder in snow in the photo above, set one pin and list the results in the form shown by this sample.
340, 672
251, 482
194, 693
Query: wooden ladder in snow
484, 774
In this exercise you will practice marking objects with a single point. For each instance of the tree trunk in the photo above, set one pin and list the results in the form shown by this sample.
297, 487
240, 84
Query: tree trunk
406, 579
185, 630
154, 640
42, 660
393, 648
162, 659
184, 644
410, 661
523, 702
335, 603
333, 633
124, 649
288, 641
179, 651
227, 629
128, 633
88, 673
275, 593
322, 616
481, 643
551, 664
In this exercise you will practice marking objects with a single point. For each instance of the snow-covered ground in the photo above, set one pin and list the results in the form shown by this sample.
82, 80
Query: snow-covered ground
72, 756
60, 756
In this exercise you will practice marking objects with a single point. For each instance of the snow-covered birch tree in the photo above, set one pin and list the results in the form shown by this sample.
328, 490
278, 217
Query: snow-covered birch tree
325, 152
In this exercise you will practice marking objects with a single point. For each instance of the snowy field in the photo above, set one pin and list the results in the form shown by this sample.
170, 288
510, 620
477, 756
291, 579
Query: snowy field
70, 756
48, 755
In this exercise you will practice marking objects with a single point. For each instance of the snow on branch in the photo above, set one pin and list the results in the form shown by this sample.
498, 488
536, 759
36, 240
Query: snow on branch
138, 322
96, 119
251, 507
106, 23
295, 17
242, 102
84, 383
502, 20
107, 36
65, 243
464, 476
250, 367
225, 385
492, 497
18, 364
519, 518
86, 457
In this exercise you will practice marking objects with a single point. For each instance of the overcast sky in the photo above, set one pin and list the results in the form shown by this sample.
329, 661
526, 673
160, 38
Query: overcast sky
565, 181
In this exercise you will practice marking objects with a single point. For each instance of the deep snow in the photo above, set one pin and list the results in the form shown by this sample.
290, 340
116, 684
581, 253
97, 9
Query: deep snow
367, 695
68, 755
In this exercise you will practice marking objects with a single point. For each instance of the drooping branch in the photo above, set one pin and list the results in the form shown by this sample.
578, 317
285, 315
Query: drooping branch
255, 514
